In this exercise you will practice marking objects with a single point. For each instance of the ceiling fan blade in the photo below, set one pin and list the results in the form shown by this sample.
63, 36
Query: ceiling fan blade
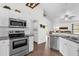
71, 17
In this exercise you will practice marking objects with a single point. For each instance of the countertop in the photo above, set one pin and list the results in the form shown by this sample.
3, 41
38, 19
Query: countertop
71, 37
65, 34
7, 38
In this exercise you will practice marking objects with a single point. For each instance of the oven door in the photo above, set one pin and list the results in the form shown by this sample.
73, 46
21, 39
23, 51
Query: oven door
18, 45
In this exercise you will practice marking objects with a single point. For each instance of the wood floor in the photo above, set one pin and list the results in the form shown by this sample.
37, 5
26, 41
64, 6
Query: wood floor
42, 50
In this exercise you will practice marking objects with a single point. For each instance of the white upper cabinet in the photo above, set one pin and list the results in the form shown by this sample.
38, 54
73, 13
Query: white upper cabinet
5, 14
4, 17
15, 15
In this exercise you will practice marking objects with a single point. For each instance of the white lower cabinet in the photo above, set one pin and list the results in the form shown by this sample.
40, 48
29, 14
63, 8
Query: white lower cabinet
4, 48
72, 48
61, 46
71, 51
68, 48
31, 44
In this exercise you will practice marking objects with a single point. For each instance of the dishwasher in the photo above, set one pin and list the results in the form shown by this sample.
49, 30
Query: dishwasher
54, 42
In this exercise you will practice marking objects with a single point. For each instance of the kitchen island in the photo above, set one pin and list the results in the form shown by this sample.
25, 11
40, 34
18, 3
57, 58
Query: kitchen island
67, 44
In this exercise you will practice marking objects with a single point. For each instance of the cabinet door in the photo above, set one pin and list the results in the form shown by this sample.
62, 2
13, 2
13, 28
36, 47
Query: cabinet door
16, 15
4, 31
65, 47
4, 17
68, 48
31, 44
62, 46
4, 48
72, 49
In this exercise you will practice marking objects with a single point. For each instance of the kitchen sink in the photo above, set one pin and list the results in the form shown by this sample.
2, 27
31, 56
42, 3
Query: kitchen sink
75, 39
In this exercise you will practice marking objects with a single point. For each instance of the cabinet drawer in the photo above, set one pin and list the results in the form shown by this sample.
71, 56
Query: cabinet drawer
4, 42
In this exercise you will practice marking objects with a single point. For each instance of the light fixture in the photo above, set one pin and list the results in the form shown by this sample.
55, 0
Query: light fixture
7, 7
68, 16
32, 5
16, 10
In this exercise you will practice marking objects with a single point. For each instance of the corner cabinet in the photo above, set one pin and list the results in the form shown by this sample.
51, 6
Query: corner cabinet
68, 48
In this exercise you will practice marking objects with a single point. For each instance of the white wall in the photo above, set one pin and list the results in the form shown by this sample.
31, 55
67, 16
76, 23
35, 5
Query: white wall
40, 33
43, 33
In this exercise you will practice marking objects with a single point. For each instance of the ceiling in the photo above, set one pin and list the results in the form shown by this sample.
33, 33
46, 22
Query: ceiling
56, 10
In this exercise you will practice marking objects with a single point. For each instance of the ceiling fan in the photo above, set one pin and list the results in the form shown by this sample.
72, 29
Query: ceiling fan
68, 16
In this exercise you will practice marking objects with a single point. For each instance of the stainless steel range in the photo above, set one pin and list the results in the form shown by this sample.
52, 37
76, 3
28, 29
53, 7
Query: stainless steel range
18, 43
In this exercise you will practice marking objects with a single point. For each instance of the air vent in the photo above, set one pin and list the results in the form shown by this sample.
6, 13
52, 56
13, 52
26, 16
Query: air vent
32, 5
7, 7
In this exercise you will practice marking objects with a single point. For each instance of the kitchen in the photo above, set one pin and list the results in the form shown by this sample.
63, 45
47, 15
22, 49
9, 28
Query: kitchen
24, 27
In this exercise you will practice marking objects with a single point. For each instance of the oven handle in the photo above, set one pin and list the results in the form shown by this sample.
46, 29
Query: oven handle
19, 39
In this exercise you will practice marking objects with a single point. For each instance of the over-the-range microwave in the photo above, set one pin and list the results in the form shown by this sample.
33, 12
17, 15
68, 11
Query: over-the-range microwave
17, 23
